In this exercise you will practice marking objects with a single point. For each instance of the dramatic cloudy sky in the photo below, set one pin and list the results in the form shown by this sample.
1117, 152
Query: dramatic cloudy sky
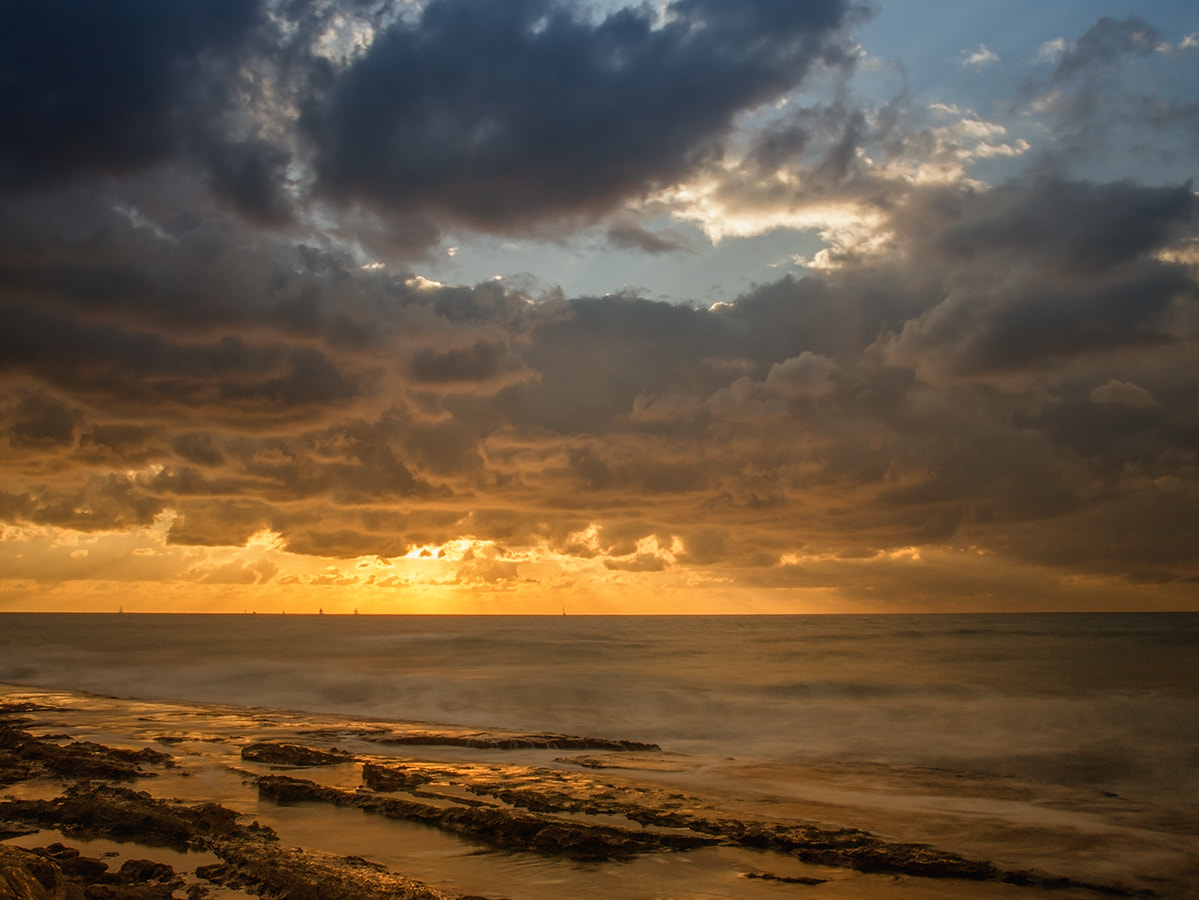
688, 306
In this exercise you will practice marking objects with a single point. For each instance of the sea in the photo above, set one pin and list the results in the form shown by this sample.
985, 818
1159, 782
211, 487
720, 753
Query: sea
1066, 743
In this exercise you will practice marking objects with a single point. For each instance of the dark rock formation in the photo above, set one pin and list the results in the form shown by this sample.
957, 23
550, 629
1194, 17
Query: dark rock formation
251, 857
27, 876
123, 814
250, 854
281, 754
488, 740
22, 755
786, 879
307, 875
13, 710
394, 778
62, 873
549, 792
493, 825
510, 807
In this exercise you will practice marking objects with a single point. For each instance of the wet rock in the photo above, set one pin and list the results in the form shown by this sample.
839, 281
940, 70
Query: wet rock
57, 851
27, 876
128, 892
12, 738
89, 879
1028, 878
293, 754
786, 879
292, 790
521, 808
506, 741
907, 859
73, 864
393, 778
307, 875
15, 709
547, 792
499, 827
251, 856
146, 870
654, 762
123, 814
58, 872
13, 769
25, 755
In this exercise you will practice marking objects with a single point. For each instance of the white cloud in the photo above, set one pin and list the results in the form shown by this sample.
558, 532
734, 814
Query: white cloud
945, 108
979, 58
1185, 252
1123, 393
420, 282
849, 241
725, 209
139, 220
806, 375
1052, 51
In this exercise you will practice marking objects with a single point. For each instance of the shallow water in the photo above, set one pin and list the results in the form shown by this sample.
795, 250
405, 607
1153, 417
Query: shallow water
1063, 742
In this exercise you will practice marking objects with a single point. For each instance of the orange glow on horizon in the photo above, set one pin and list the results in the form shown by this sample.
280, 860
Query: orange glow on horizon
53, 569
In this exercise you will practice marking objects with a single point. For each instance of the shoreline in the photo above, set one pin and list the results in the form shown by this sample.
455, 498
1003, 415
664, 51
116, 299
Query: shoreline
511, 796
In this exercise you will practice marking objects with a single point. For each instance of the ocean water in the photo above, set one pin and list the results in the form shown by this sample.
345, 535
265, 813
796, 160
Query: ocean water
1064, 742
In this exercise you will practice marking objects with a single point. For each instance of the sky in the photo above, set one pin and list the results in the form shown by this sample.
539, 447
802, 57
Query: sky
697, 306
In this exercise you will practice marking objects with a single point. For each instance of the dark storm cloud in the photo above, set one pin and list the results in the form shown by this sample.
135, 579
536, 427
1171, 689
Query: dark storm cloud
1021, 323
97, 501
972, 387
1101, 99
1105, 42
491, 115
251, 175
92, 88
136, 370
198, 448
1044, 269
942, 396
118, 445
471, 364
353, 462
344, 543
193, 310
1073, 226
40, 421
219, 521
627, 234
1012, 369
500, 114
598, 358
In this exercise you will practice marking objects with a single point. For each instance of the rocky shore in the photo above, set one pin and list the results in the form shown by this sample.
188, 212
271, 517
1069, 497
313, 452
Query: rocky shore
570, 811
